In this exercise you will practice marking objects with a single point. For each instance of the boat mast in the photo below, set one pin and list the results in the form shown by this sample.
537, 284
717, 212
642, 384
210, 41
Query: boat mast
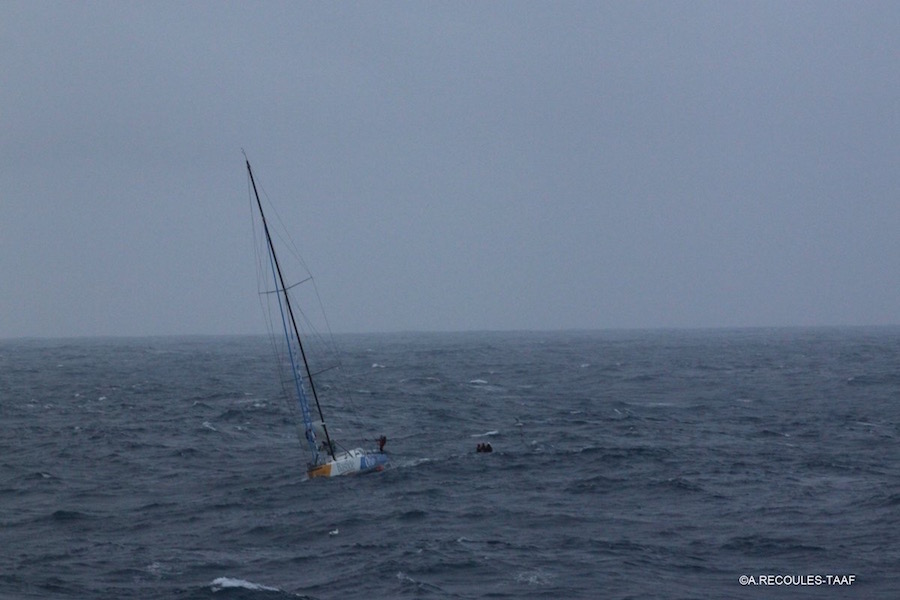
312, 385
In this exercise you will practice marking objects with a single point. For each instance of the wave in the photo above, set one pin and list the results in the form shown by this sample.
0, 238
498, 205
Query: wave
761, 545
873, 379
676, 484
883, 500
596, 485
69, 515
224, 583
625, 452
537, 577
490, 433
409, 463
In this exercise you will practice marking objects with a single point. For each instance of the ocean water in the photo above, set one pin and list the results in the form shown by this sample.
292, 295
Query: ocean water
643, 464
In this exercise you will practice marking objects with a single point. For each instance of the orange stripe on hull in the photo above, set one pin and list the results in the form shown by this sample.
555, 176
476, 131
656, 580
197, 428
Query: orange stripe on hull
320, 471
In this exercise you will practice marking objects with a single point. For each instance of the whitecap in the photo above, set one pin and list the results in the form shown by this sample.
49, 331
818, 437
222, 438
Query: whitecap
208, 425
486, 433
222, 583
537, 577
404, 578
414, 462
478, 382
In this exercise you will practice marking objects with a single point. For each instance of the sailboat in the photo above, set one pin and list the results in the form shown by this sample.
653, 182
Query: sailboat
327, 457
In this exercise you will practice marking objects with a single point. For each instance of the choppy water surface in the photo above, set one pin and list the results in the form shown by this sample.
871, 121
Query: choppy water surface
625, 465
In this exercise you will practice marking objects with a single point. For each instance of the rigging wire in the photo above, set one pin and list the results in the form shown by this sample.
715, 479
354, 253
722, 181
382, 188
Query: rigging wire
320, 337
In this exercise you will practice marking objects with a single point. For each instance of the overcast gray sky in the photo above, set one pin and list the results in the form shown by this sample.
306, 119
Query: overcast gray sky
451, 165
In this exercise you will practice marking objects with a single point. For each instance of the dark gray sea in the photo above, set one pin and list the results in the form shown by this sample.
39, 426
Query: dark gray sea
746, 464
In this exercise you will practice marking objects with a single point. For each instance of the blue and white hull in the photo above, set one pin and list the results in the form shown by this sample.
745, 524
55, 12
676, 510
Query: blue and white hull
351, 463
